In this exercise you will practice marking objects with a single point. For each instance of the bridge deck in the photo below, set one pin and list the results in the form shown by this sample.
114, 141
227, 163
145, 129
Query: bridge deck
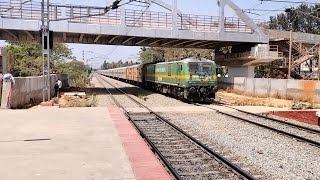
122, 27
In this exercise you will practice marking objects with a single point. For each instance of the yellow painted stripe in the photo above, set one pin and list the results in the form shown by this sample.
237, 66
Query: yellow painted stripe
172, 76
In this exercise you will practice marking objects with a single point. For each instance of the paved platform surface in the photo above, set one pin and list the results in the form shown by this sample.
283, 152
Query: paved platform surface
144, 163
77, 144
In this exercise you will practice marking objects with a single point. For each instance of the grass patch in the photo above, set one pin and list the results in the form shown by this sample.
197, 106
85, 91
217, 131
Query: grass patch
290, 100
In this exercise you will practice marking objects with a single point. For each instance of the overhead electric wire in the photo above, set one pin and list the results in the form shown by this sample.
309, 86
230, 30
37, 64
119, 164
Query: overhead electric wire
262, 10
288, 1
131, 28
273, 11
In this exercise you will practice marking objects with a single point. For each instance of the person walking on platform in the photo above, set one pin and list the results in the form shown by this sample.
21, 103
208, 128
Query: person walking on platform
57, 87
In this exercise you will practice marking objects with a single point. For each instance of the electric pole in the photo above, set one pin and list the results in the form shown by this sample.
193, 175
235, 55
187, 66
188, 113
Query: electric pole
45, 18
290, 55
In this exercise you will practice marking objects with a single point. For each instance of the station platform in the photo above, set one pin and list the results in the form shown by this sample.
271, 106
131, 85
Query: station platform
74, 144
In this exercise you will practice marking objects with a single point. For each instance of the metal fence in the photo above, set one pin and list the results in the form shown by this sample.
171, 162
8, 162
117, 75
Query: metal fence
74, 12
148, 19
24, 9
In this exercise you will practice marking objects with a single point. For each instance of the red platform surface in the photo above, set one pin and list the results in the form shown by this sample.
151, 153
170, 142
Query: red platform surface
143, 162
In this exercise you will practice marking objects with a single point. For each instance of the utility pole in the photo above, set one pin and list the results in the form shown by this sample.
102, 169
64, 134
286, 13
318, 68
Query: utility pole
48, 53
45, 52
319, 63
290, 54
83, 56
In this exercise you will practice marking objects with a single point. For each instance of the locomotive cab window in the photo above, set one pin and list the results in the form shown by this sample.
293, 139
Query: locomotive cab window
193, 68
169, 69
207, 68
180, 67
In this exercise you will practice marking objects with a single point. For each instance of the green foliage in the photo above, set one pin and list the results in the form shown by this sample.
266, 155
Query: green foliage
296, 20
298, 105
107, 65
78, 72
26, 60
148, 55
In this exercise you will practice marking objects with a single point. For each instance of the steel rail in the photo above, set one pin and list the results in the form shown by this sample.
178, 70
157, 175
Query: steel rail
171, 169
310, 141
312, 130
225, 161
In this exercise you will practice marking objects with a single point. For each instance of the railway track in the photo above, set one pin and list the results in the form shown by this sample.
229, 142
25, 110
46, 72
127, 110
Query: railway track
298, 132
183, 155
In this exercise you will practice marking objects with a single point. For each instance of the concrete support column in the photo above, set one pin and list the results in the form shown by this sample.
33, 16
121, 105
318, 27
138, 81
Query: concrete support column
319, 63
123, 16
241, 71
63, 10
174, 9
4, 61
213, 55
222, 4
6, 95
0, 89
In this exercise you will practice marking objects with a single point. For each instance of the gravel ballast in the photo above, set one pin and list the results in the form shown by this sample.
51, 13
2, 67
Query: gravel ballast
277, 156
277, 125
103, 98
262, 152
148, 98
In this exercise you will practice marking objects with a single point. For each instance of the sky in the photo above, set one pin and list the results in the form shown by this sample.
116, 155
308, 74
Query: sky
98, 53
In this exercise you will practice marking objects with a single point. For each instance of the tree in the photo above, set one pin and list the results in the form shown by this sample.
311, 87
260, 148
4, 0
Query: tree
296, 20
78, 72
170, 54
148, 55
25, 58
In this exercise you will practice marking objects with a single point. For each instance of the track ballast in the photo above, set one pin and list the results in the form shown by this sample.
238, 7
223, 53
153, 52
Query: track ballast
183, 155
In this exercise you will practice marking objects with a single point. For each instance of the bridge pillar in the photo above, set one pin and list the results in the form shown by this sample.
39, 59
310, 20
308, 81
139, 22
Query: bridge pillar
63, 9
222, 4
123, 16
174, 8
241, 71
5, 95
4, 61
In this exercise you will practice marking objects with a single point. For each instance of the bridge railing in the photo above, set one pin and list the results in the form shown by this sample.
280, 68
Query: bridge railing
15, 9
148, 19
133, 18
72, 12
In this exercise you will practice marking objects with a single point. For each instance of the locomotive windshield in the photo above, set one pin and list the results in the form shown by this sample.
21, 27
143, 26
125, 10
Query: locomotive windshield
207, 68
193, 68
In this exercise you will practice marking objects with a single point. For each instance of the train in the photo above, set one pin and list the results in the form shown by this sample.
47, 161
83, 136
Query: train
193, 79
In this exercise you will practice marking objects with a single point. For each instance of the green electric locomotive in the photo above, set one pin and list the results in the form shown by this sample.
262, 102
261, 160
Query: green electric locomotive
193, 79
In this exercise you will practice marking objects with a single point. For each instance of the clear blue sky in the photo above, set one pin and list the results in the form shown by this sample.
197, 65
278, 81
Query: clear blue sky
200, 7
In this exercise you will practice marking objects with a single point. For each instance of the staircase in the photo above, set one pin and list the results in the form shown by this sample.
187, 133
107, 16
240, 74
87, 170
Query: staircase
302, 55
294, 73
301, 59
312, 76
